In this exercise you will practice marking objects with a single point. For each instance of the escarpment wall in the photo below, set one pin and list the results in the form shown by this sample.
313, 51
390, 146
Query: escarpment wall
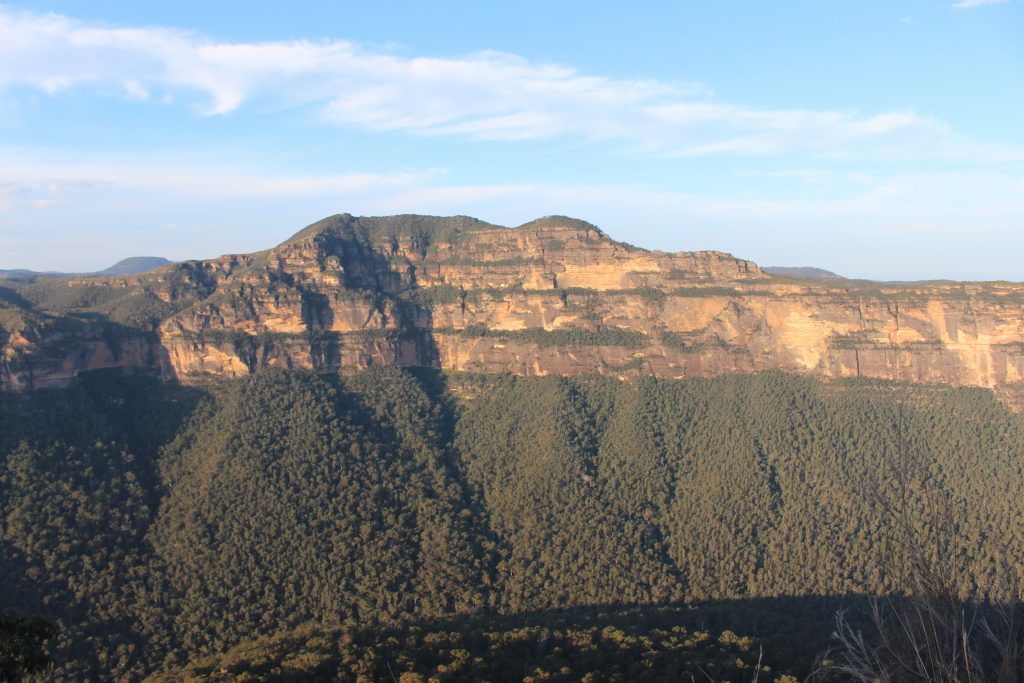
556, 296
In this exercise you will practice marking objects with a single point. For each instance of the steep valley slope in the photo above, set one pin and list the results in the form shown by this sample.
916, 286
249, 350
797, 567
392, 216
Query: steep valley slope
410, 515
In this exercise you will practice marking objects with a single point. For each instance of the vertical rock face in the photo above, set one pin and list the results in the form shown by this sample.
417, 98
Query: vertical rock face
41, 353
554, 296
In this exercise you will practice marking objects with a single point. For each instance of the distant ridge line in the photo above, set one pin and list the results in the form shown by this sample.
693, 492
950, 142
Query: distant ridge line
133, 265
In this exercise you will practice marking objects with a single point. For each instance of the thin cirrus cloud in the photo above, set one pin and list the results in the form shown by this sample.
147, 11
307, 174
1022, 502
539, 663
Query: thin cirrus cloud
485, 96
43, 184
971, 4
53, 199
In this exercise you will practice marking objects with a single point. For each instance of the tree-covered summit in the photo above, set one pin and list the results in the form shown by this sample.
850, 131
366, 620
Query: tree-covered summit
378, 229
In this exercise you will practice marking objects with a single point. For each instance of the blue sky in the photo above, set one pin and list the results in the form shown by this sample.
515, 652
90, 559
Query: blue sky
878, 138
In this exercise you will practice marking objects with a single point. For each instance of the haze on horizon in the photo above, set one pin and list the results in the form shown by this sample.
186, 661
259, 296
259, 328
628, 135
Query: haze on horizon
878, 139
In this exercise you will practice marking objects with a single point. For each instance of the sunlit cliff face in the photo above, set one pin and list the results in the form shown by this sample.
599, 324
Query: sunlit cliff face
555, 296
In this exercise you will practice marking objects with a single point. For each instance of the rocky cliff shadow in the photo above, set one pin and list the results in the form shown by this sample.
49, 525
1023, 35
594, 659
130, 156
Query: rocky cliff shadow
406, 319
66, 346
114, 404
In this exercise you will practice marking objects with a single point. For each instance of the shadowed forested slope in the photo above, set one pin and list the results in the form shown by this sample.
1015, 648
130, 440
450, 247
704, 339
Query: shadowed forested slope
155, 525
295, 501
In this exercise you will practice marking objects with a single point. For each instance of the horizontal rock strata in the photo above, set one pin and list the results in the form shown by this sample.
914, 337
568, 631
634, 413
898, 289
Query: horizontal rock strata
555, 296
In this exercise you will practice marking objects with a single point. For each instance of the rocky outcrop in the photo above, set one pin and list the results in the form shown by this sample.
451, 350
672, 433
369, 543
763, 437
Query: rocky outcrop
42, 352
937, 335
555, 296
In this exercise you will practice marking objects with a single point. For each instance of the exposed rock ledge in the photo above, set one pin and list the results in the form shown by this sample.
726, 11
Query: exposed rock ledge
555, 296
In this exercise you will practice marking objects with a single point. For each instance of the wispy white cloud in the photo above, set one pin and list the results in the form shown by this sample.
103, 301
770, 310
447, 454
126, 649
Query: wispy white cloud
41, 184
930, 200
487, 94
813, 176
916, 204
971, 4
481, 96
110, 190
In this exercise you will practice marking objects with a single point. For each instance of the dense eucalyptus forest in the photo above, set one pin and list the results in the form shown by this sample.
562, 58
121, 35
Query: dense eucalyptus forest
414, 525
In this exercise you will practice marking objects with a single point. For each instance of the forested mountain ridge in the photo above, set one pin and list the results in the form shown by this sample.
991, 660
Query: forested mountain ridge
552, 297
363, 520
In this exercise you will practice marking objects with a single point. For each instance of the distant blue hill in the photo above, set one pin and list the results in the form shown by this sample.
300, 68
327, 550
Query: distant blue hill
802, 273
134, 265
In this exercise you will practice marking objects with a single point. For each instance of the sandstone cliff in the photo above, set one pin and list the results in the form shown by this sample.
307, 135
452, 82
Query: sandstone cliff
554, 296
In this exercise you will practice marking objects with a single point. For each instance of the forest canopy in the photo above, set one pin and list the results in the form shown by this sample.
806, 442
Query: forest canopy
156, 525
